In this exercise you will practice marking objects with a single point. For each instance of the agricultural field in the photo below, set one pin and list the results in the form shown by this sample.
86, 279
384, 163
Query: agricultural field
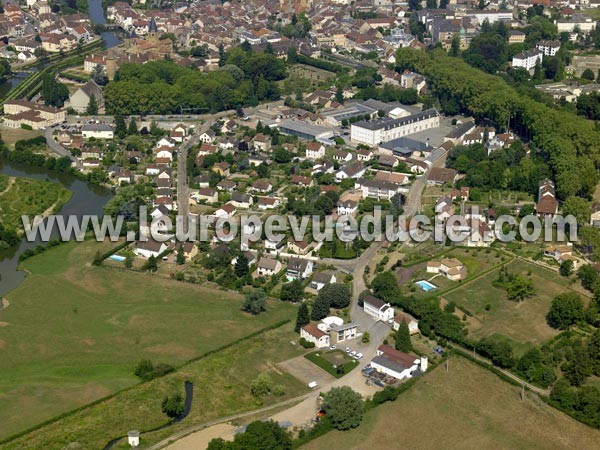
11, 135
73, 333
465, 408
20, 196
524, 323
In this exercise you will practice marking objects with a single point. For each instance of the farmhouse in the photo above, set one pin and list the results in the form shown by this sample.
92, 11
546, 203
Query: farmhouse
378, 309
451, 268
312, 334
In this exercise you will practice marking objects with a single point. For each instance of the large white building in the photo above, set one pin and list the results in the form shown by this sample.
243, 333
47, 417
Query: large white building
383, 130
548, 48
35, 115
399, 365
378, 309
527, 59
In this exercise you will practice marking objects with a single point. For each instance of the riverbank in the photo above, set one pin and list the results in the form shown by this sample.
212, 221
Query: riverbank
29, 197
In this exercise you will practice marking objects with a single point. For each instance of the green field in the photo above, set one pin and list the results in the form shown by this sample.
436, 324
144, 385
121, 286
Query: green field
522, 322
464, 408
73, 332
20, 196
331, 361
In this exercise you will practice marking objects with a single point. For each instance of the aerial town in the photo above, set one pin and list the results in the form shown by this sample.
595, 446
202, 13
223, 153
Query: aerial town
296, 224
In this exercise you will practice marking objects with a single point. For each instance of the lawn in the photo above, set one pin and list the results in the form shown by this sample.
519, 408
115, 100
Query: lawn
524, 322
73, 332
20, 196
335, 362
464, 408
12, 135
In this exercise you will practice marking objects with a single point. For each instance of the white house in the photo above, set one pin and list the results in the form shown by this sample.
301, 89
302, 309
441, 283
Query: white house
275, 245
315, 150
548, 48
268, 267
299, 269
149, 248
208, 136
265, 203
399, 365
451, 268
322, 279
378, 309
413, 324
347, 207
166, 142
97, 131
312, 334
225, 211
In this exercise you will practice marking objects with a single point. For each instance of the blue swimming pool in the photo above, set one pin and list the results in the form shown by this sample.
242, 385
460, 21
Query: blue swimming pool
426, 285
117, 258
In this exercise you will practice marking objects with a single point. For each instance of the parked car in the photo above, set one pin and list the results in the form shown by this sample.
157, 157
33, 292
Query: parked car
332, 347
353, 353
348, 350
359, 355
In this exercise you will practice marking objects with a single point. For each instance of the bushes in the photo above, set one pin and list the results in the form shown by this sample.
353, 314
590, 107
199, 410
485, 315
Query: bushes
173, 406
306, 344
146, 370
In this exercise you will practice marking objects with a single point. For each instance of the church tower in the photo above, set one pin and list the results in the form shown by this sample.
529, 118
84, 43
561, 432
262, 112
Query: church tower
152, 31
111, 65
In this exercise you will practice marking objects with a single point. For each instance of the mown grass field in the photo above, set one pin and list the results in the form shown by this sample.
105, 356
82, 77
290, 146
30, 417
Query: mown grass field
12, 135
73, 333
524, 323
464, 408
20, 196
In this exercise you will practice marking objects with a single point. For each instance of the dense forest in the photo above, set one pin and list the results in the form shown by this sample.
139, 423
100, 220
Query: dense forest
568, 143
161, 87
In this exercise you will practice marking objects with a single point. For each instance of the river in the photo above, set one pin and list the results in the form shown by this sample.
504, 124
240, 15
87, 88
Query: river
86, 199
96, 13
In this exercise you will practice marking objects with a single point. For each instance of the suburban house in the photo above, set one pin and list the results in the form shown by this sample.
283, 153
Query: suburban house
378, 189
250, 256
299, 247
347, 207
413, 324
322, 279
399, 365
262, 186
364, 155
267, 267
262, 142
149, 248
268, 202
299, 269
562, 253
378, 309
342, 156
451, 268
240, 200
225, 211
444, 207
208, 136
207, 195
274, 246
299, 180
226, 185
353, 170
222, 168
547, 205
315, 150
313, 334
190, 250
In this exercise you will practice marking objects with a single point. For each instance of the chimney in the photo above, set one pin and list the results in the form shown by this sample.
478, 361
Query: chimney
424, 363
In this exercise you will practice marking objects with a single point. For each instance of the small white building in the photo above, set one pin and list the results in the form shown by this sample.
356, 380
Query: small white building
267, 267
378, 309
299, 269
149, 248
133, 438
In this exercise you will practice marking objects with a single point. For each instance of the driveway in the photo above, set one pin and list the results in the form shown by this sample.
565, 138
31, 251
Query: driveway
305, 371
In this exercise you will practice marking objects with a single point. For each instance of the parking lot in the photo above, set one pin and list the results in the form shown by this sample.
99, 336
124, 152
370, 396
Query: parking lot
305, 371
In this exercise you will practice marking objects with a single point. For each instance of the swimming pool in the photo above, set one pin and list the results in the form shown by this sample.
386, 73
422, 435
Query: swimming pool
117, 258
426, 285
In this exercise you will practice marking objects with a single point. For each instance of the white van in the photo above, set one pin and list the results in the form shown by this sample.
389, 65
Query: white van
313, 384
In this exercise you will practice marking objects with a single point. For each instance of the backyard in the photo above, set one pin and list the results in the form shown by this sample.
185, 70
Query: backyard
73, 333
465, 408
524, 323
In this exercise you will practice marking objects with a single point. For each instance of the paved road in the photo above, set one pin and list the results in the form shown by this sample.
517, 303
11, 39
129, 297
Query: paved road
55, 146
